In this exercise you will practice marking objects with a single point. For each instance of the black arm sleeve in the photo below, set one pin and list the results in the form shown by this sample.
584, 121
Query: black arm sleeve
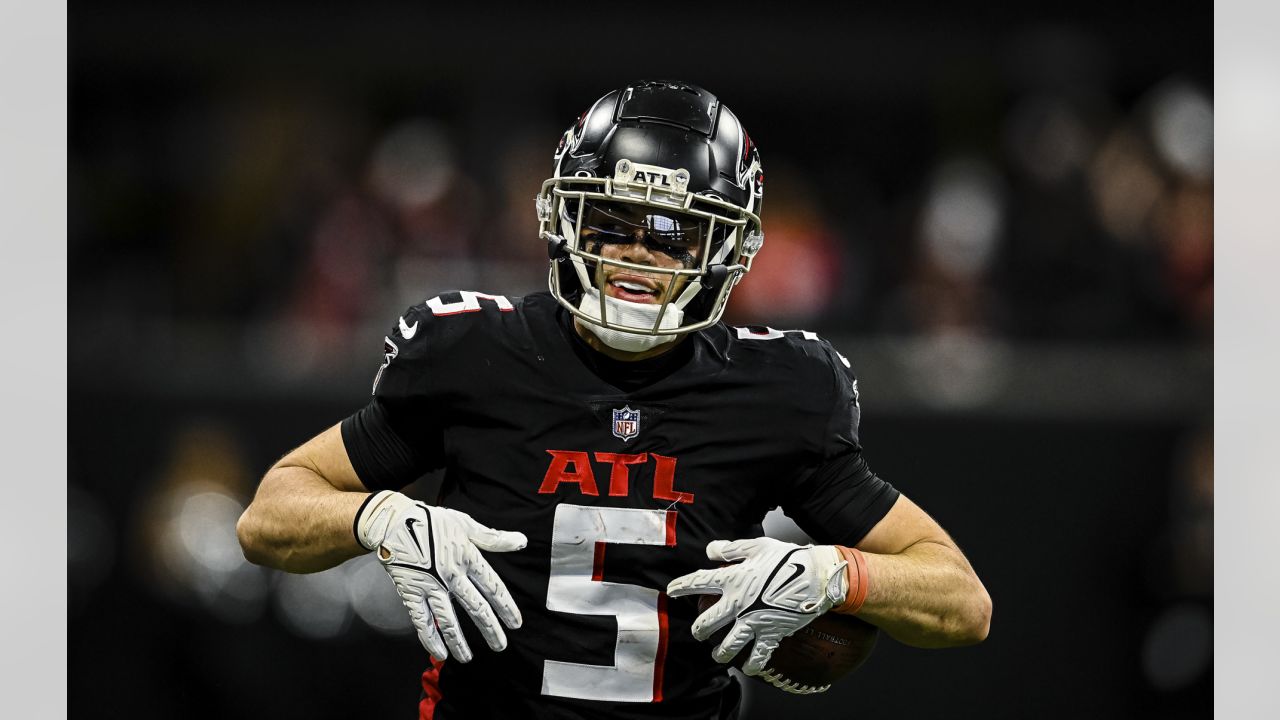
397, 437
381, 457
839, 501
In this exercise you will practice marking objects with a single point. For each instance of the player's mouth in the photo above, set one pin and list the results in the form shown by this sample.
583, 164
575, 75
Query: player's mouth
633, 288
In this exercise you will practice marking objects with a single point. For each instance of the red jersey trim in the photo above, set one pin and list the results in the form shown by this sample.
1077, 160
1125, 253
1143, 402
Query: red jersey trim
430, 690
661, 659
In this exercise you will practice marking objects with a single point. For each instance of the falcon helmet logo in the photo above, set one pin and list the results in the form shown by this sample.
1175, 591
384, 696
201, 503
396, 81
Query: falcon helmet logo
626, 423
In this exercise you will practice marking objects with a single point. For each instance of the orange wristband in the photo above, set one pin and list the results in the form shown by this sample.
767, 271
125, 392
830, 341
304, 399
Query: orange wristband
856, 572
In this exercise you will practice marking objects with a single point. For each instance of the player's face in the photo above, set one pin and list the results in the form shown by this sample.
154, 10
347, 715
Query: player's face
644, 236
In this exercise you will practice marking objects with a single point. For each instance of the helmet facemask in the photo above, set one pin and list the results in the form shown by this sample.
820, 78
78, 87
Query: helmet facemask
713, 241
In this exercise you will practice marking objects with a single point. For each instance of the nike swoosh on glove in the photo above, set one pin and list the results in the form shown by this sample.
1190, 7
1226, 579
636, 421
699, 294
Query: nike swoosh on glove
433, 554
773, 589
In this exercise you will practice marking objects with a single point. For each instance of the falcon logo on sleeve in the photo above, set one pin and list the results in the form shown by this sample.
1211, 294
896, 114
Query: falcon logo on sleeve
407, 330
389, 351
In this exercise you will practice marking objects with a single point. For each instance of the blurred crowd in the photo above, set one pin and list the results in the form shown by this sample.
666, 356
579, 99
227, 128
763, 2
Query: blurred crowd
302, 226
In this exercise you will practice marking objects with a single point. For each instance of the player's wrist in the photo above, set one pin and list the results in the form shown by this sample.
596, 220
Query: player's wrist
829, 564
373, 518
856, 579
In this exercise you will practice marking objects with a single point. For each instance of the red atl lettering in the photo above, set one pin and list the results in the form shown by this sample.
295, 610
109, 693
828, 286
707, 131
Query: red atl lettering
572, 466
620, 474
559, 472
664, 480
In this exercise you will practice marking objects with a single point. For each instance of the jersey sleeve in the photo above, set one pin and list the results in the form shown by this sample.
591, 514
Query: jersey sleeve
397, 437
836, 498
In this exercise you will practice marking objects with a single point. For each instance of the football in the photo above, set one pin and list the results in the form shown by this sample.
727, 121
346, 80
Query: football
817, 655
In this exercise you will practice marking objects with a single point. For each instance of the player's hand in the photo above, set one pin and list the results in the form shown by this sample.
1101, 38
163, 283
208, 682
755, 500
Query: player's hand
432, 555
773, 589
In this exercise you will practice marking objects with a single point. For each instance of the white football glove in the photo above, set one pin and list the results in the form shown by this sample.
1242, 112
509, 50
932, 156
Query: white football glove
433, 554
777, 589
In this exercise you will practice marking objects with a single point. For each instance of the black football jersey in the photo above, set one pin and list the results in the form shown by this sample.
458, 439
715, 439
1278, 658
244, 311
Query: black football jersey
619, 474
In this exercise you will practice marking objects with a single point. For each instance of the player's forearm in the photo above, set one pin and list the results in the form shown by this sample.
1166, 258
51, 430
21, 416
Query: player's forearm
926, 596
300, 523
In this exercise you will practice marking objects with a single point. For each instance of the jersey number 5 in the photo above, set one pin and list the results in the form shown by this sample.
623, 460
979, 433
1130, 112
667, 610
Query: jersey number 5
578, 542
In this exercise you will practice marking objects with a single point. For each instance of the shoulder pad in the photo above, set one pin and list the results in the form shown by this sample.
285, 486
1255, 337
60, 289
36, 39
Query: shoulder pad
802, 347
426, 334
429, 319
466, 301
793, 343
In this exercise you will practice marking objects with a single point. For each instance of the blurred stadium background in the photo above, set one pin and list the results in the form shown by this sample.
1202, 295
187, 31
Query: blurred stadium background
1004, 218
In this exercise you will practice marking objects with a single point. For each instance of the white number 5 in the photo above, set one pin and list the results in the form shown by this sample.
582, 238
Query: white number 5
578, 544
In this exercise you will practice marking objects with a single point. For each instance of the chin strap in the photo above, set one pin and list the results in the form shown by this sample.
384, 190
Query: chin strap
555, 248
628, 313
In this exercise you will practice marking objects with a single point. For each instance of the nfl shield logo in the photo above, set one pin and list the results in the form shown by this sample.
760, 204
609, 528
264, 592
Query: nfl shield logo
626, 423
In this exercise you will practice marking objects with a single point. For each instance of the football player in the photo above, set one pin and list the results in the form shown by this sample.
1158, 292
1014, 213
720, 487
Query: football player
610, 446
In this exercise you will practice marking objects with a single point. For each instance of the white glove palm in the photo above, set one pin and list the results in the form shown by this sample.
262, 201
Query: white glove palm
432, 553
775, 590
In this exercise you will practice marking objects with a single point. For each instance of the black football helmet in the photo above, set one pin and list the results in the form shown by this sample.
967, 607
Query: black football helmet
667, 161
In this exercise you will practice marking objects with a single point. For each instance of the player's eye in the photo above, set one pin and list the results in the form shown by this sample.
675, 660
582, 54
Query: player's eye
673, 234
